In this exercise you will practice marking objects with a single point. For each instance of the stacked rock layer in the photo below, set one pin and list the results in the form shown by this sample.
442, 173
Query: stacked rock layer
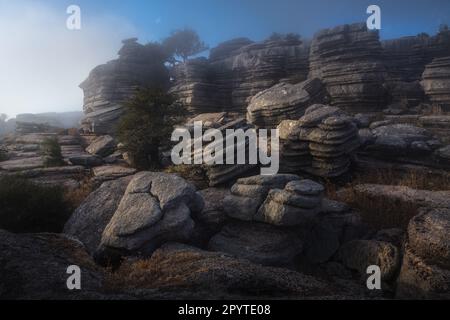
320, 143
237, 70
109, 86
284, 101
436, 82
348, 60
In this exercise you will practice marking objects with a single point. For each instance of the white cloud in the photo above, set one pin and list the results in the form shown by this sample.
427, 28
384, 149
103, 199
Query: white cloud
42, 62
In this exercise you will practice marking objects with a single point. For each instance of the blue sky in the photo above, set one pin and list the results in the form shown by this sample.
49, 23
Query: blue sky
219, 20
42, 63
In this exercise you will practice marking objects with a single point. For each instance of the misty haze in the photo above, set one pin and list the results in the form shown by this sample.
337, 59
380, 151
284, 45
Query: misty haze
225, 150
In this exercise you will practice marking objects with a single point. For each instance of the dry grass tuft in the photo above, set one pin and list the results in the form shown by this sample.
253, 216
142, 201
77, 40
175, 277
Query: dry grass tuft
156, 272
75, 197
414, 179
381, 211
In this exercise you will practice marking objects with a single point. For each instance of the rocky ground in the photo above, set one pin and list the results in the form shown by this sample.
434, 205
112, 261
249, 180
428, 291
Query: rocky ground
364, 180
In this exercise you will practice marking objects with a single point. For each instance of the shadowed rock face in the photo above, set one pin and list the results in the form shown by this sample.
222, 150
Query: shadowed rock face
185, 272
258, 242
90, 219
319, 143
404, 58
348, 60
237, 70
425, 271
436, 82
33, 266
110, 85
155, 208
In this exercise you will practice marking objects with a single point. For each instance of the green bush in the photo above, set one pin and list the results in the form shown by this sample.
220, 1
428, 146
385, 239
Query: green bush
51, 150
3, 154
147, 126
28, 207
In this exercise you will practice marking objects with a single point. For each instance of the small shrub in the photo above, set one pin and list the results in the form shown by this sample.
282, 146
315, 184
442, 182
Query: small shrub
3, 154
28, 207
51, 150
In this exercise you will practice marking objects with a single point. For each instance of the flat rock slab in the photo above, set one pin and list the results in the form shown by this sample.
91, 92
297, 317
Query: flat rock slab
111, 172
22, 164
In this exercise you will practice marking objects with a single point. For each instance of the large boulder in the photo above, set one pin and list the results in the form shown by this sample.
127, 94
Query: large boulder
155, 208
34, 266
425, 271
91, 217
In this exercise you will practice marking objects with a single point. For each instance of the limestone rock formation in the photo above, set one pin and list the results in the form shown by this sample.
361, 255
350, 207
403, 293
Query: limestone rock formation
212, 218
86, 160
401, 138
319, 143
348, 60
155, 208
425, 271
111, 172
439, 125
110, 85
247, 194
436, 82
284, 101
297, 204
237, 70
219, 174
405, 58
91, 217
335, 225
